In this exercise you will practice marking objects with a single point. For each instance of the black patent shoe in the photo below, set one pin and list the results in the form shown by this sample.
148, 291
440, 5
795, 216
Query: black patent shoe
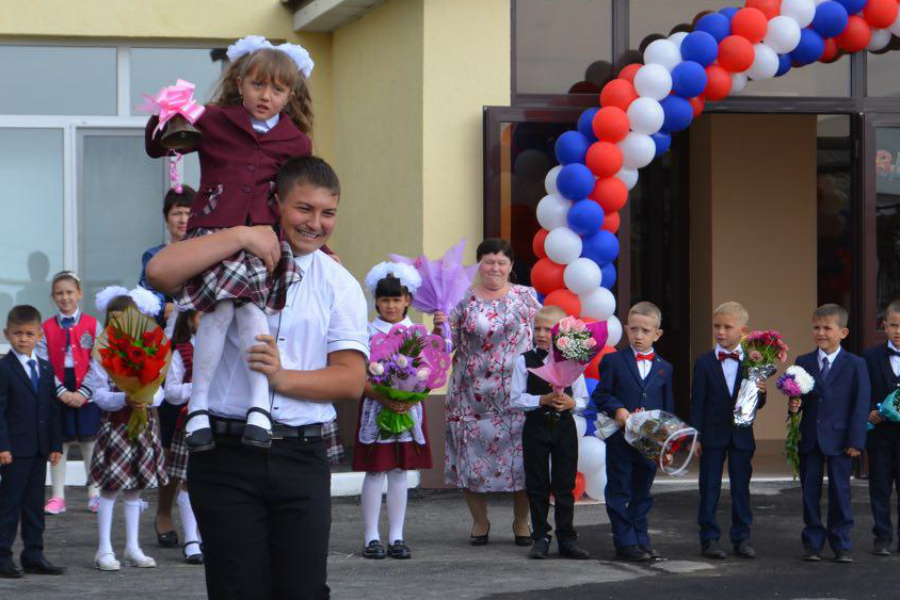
199, 440
193, 559
480, 540
711, 549
568, 548
42, 566
257, 436
10, 571
374, 550
654, 555
399, 549
540, 548
522, 540
744, 550
632, 554
168, 539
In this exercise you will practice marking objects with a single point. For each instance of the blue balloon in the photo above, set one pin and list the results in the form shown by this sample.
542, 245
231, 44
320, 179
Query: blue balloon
586, 124
679, 113
700, 47
602, 247
663, 141
715, 24
853, 6
575, 181
784, 64
810, 48
540, 297
831, 19
609, 275
729, 12
688, 79
571, 147
585, 217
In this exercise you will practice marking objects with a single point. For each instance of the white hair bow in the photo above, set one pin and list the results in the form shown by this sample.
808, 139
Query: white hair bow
252, 43
145, 300
407, 275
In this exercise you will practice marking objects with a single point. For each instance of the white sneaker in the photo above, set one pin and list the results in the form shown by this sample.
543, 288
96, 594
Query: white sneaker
106, 561
139, 559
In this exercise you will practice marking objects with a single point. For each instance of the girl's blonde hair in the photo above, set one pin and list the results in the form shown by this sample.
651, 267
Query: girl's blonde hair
268, 64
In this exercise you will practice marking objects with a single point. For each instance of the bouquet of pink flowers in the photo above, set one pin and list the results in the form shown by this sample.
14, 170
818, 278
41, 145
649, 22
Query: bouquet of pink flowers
794, 383
761, 350
405, 364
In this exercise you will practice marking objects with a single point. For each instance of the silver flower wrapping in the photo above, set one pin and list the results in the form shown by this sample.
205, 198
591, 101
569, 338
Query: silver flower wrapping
748, 396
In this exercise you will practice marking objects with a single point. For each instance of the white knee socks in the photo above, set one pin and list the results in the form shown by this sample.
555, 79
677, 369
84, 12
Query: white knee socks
188, 524
132, 502
58, 474
370, 502
104, 522
87, 454
396, 503
209, 342
251, 322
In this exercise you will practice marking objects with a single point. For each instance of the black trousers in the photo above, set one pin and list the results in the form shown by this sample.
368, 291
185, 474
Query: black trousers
883, 447
265, 518
22, 499
541, 443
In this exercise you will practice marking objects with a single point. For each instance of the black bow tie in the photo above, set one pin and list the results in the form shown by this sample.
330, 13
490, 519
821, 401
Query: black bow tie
892, 352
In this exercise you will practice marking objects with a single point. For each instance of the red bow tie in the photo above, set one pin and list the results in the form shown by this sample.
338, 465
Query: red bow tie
649, 357
723, 356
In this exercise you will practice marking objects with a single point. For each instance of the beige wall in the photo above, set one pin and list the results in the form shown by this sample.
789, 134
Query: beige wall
753, 231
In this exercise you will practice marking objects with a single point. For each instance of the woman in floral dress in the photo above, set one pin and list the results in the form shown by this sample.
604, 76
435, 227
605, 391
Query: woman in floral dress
491, 326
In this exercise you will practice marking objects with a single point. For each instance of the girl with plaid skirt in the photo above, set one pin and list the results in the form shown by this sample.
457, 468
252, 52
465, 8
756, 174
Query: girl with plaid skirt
260, 117
121, 465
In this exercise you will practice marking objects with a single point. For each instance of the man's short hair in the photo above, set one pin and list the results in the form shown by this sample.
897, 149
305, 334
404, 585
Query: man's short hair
306, 169
733, 309
828, 311
23, 314
647, 309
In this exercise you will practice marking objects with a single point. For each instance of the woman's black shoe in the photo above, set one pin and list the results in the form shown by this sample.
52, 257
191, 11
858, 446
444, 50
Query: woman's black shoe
480, 540
374, 550
522, 540
193, 559
399, 550
168, 539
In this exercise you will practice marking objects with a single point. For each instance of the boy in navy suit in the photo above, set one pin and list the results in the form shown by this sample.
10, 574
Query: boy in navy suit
714, 391
30, 432
632, 380
832, 432
883, 443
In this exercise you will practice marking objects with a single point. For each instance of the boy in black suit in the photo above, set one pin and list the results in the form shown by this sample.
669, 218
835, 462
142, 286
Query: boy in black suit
633, 379
883, 443
30, 432
714, 391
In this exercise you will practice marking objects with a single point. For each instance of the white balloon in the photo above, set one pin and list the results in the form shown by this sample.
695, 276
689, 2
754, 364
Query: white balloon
662, 52
765, 63
552, 211
591, 455
550, 180
582, 276
677, 38
562, 245
653, 81
628, 176
801, 11
783, 35
599, 304
638, 150
614, 329
880, 39
580, 426
895, 28
595, 483
646, 115
738, 83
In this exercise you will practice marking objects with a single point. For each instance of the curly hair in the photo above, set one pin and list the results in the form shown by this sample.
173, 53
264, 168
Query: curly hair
268, 64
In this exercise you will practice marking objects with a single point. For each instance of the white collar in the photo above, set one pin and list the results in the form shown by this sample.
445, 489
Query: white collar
264, 126
303, 262
830, 357
636, 352
75, 315
384, 327
23, 358
739, 350
892, 346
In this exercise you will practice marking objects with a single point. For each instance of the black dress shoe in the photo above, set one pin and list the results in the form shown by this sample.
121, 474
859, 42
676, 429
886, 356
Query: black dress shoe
522, 540
843, 556
744, 550
399, 549
168, 539
540, 548
810, 555
568, 548
42, 566
374, 550
632, 554
197, 557
480, 540
654, 555
10, 571
711, 549
881, 548
257, 436
199, 440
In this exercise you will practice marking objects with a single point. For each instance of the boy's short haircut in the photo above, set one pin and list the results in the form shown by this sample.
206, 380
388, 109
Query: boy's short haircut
733, 309
23, 314
306, 169
65, 276
893, 307
552, 313
647, 309
174, 199
836, 311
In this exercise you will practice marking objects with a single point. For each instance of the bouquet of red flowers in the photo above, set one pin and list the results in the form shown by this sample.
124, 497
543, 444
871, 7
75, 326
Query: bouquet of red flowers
135, 353
761, 350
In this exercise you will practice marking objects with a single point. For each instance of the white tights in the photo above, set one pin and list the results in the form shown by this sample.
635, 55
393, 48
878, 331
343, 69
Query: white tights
58, 471
210, 341
370, 502
188, 523
132, 501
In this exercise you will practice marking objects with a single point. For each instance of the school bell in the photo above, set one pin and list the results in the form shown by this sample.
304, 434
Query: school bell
179, 134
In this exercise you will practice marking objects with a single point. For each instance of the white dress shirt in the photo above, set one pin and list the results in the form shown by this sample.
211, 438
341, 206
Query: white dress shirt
644, 366
25, 358
177, 392
730, 367
895, 360
521, 399
104, 396
831, 358
260, 126
379, 325
324, 313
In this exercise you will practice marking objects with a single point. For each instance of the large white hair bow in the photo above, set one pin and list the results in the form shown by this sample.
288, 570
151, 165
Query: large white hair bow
252, 43
146, 301
407, 275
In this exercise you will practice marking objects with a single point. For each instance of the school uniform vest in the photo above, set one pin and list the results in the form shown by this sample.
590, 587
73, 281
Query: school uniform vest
535, 385
81, 337
186, 350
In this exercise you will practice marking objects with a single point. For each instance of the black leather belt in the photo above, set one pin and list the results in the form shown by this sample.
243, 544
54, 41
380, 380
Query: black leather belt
235, 428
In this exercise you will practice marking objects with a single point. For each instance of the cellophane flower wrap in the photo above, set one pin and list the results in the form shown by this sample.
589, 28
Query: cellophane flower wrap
762, 349
889, 409
135, 353
406, 363
795, 382
662, 438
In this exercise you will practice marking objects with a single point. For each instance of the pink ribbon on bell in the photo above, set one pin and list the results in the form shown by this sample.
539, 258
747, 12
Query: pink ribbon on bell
173, 100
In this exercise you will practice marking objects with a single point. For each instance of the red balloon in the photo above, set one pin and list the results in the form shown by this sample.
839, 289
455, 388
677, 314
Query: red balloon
547, 276
611, 222
770, 8
750, 23
611, 124
578, 490
718, 84
564, 299
537, 245
831, 51
736, 53
881, 14
604, 159
698, 104
593, 368
629, 72
856, 36
610, 193
618, 92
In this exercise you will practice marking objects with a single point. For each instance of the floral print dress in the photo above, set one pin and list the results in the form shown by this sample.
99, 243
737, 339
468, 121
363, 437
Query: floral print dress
484, 434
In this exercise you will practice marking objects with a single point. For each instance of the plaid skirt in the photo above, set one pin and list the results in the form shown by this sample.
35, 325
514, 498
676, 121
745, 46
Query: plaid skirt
243, 278
177, 460
119, 463
334, 449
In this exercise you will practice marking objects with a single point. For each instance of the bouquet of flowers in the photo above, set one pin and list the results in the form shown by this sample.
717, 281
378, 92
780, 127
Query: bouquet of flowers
405, 364
889, 408
659, 436
794, 383
761, 350
135, 353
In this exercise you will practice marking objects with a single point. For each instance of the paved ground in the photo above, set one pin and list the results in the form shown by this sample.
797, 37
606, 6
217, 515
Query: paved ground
445, 566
